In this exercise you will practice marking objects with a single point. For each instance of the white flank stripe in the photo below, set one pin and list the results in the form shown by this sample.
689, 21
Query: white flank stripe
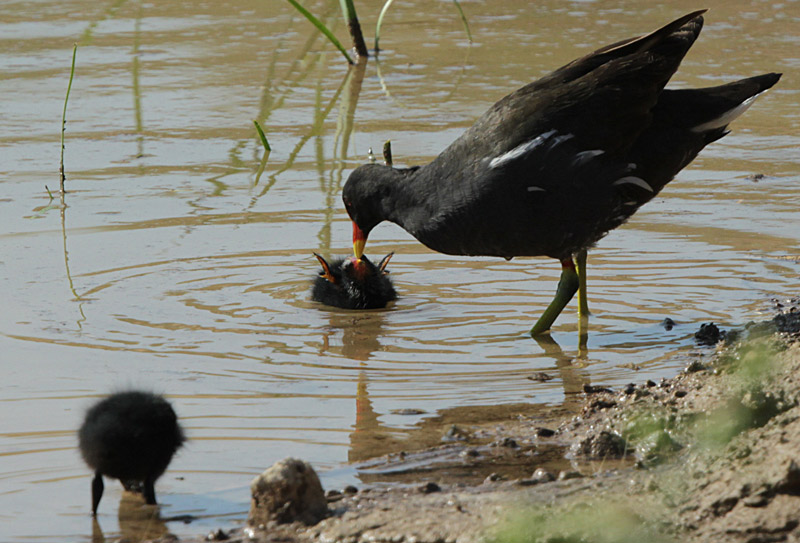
536, 189
562, 139
583, 156
520, 150
727, 117
638, 181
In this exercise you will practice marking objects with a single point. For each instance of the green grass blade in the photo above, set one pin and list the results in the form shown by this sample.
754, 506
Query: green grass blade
384, 9
64, 115
322, 28
263, 137
463, 20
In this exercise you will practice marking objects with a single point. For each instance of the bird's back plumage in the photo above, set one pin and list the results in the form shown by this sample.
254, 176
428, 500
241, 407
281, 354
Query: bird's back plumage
552, 167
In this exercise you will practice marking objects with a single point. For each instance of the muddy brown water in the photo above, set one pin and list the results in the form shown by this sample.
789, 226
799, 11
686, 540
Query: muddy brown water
175, 266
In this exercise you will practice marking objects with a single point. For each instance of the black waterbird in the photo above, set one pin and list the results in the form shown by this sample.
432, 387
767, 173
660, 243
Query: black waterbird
554, 166
130, 436
351, 283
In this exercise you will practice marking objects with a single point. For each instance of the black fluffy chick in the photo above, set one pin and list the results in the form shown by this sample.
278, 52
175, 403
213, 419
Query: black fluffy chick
130, 436
351, 283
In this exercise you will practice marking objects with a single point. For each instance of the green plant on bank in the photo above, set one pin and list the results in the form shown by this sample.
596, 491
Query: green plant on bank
584, 522
657, 433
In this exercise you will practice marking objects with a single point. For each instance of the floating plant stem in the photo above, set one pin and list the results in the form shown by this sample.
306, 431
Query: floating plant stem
463, 20
384, 9
263, 137
64, 116
322, 28
387, 152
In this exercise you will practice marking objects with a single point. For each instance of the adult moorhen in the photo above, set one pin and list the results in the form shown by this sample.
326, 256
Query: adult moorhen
130, 436
353, 283
554, 166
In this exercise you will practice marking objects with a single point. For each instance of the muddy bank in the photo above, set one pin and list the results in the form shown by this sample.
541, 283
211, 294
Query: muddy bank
710, 455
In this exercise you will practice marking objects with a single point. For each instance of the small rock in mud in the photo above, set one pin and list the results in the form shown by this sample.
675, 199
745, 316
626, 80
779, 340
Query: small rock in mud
540, 376
408, 411
350, 489
630, 388
668, 324
507, 441
790, 482
429, 488
641, 393
694, 367
788, 323
454, 433
708, 334
493, 478
565, 475
333, 496
755, 177
722, 506
589, 389
755, 501
289, 491
605, 444
598, 405
545, 432
542, 475
650, 383
217, 535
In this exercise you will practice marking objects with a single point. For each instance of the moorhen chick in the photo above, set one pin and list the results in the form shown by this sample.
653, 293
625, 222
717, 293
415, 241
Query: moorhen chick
130, 436
554, 166
351, 283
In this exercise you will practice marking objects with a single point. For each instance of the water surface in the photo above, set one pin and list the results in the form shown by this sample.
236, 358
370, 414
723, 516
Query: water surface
176, 267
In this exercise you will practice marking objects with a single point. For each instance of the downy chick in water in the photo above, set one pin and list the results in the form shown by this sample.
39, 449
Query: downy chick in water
351, 283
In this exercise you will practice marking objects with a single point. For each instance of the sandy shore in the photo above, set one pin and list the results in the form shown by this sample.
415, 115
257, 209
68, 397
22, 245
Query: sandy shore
712, 454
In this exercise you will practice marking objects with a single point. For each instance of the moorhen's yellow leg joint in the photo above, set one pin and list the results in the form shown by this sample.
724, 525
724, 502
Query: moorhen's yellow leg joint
567, 286
583, 300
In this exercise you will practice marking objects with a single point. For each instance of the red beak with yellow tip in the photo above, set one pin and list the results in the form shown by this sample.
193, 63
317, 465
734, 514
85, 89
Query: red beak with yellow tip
359, 241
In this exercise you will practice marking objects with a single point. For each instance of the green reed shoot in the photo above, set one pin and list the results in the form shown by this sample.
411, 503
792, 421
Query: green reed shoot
263, 137
389, 3
64, 116
463, 20
322, 28
349, 11
384, 9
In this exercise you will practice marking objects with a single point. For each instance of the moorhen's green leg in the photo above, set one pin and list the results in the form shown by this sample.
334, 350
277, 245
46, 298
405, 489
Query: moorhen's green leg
97, 492
580, 266
567, 286
150, 492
